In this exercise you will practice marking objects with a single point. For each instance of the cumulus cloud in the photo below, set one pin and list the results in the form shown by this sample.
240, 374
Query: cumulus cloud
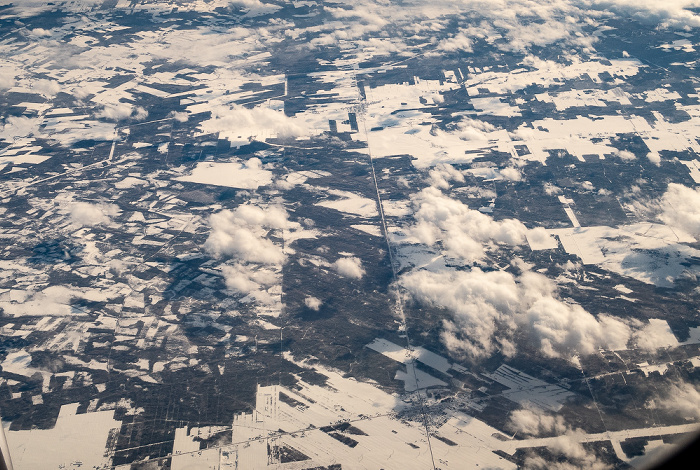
681, 399
7, 78
532, 421
680, 208
40, 32
566, 445
252, 5
19, 126
180, 116
566, 330
45, 87
626, 155
668, 13
121, 111
89, 214
251, 280
511, 173
654, 335
313, 303
463, 232
440, 176
488, 307
254, 262
257, 122
349, 266
242, 233
473, 129
654, 158
458, 42
53, 300
551, 189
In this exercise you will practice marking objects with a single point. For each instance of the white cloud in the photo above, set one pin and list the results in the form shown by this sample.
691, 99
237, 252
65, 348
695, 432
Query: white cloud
250, 4
566, 330
511, 173
532, 421
251, 280
180, 116
654, 158
349, 267
53, 300
45, 87
682, 399
313, 303
19, 126
626, 155
440, 176
488, 307
551, 189
481, 304
259, 122
654, 335
40, 32
458, 42
567, 442
473, 129
7, 78
539, 237
121, 111
85, 213
242, 233
680, 208
464, 232
666, 13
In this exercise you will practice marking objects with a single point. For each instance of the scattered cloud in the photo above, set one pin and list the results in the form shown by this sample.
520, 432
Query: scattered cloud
654, 335
680, 208
511, 173
533, 421
551, 189
463, 232
473, 129
669, 13
681, 399
487, 307
253, 5
349, 266
251, 280
89, 214
440, 176
313, 303
7, 78
180, 116
459, 42
258, 122
626, 155
121, 111
53, 300
654, 158
47, 88
242, 233
19, 126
